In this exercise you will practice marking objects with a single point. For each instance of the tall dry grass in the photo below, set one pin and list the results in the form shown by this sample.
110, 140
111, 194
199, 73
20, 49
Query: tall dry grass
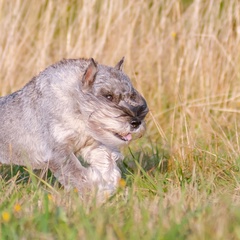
184, 59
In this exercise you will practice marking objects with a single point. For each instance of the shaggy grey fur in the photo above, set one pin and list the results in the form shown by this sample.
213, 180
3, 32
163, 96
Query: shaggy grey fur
73, 108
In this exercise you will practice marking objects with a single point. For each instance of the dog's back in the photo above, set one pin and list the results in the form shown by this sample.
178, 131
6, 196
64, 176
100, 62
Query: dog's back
19, 126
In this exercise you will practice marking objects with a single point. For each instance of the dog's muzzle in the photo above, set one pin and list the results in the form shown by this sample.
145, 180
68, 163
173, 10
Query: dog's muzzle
139, 113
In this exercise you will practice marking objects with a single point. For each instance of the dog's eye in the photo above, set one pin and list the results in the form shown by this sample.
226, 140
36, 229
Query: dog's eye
109, 97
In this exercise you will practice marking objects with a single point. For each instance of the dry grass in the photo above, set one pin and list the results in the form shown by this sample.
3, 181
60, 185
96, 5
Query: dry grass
184, 57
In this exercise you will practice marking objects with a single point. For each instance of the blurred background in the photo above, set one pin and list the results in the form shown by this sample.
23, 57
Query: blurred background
182, 55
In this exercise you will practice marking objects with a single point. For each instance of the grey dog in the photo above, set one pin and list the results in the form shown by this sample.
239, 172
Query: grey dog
73, 108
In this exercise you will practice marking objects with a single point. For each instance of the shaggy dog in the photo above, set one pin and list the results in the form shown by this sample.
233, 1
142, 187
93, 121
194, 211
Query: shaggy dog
73, 108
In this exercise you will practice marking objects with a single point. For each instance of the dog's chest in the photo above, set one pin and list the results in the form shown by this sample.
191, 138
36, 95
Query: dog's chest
72, 133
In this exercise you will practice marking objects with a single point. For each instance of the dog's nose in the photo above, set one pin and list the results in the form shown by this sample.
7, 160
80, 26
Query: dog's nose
135, 123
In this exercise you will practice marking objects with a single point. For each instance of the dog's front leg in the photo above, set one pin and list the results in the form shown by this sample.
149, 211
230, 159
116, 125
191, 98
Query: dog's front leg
70, 173
103, 169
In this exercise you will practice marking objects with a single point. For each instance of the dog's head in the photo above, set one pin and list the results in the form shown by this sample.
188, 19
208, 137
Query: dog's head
116, 111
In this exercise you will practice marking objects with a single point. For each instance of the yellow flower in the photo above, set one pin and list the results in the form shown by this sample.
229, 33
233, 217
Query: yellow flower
50, 197
17, 207
75, 190
122, 183
6, 216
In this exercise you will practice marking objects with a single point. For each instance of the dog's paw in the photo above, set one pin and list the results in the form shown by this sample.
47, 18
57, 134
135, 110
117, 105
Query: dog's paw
116, 156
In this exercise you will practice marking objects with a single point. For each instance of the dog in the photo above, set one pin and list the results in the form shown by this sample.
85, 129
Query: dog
74, 108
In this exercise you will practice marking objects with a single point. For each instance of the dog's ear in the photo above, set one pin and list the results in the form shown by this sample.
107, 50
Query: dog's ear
89, 75
119, 66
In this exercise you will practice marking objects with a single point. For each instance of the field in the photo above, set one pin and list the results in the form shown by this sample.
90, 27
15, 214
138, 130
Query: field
182, 179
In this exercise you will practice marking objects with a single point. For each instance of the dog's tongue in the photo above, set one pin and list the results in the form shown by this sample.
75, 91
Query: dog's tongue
128, 137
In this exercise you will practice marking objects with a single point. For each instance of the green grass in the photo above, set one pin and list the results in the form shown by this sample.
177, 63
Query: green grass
183, 177
155, 204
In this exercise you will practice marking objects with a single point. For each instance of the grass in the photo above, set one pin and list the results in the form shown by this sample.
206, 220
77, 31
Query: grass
182, 178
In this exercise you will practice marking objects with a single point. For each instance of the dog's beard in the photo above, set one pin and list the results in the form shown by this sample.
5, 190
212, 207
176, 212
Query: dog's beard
112, 129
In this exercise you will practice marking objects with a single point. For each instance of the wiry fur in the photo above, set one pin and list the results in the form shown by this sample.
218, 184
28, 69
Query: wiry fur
73, 108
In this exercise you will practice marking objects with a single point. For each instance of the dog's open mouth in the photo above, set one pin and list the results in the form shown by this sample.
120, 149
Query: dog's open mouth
126, 138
